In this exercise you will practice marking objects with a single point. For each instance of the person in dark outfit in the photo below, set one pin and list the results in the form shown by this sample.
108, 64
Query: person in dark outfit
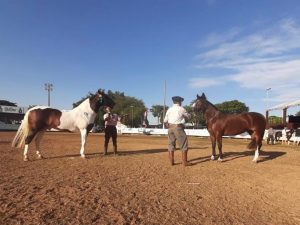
110, 130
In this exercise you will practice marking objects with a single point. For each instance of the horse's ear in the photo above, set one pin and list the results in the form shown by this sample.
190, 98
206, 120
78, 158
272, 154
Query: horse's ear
198, 96
100, 92
203, 96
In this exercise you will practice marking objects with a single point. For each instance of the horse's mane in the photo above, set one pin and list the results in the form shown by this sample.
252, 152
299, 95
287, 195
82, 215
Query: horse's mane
96, 104
209, 103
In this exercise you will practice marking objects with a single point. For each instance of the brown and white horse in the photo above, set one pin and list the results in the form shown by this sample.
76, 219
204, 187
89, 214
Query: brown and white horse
220, 124
41, 118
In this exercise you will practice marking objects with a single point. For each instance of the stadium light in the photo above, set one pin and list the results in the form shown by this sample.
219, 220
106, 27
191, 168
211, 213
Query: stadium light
49, 88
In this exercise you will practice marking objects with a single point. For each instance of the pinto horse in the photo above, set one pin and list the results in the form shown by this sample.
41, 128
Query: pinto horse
41, 118
219, 124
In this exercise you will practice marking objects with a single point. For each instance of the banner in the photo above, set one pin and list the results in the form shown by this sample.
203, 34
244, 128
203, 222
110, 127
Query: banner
12, 109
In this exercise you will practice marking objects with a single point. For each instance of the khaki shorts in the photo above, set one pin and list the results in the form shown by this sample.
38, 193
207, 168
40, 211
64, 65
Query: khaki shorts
177, 134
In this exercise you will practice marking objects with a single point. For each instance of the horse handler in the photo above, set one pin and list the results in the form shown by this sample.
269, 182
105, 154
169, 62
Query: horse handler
110, 130
175, 119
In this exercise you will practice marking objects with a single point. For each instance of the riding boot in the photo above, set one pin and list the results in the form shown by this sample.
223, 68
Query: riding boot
184, 159
105, 150
171, 157
115, 150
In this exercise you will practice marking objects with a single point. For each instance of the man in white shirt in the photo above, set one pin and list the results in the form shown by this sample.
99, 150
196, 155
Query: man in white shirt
110, 131
175, 119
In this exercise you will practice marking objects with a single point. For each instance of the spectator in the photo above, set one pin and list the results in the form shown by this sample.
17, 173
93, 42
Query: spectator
270, 136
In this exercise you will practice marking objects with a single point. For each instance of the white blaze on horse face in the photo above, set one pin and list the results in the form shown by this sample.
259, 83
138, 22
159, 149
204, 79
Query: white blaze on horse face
194, 104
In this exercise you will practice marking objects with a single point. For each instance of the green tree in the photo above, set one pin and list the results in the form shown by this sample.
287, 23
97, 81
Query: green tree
129, 108
158, 111
232, 107
273, 120
297, 114
197, 119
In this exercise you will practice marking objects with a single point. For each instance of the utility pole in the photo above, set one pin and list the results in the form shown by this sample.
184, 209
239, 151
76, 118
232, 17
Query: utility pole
49, 88
267, 112
164, 112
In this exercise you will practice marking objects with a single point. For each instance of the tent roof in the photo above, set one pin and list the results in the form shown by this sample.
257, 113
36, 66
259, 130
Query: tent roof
284, 105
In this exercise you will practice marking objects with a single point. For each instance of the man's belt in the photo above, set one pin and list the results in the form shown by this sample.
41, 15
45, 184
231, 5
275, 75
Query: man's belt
171, 125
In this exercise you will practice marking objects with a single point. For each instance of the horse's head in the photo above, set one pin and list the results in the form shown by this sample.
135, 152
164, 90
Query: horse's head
104, 99
200, 103
100, 99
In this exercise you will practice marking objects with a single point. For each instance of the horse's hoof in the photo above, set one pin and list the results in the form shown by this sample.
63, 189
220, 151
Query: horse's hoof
212, 157
220, 159
82, 156
254, 160
25, 159
187, 164
40, 157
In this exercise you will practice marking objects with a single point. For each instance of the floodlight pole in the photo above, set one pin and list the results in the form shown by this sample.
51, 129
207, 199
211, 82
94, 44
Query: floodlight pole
49, 88
267, 112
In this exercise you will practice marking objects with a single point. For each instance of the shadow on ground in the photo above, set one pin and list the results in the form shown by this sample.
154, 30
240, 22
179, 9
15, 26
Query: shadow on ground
228, 156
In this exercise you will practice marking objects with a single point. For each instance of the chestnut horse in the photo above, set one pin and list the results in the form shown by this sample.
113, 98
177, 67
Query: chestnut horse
41, 118
219, 124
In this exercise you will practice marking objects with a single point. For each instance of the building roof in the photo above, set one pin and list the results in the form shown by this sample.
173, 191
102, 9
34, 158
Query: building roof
7, 103
284, 105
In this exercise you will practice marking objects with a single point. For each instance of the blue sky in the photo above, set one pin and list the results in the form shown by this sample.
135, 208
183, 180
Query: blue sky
227, 49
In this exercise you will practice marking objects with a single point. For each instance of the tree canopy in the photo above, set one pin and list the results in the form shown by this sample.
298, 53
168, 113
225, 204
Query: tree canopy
231, 107
158, 111
197, 119
129, 108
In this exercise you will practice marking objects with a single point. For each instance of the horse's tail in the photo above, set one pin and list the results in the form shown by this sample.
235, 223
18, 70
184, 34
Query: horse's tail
22, 133
252, 144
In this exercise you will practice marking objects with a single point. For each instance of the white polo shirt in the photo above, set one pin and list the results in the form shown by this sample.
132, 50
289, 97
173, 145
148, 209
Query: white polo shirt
176, 115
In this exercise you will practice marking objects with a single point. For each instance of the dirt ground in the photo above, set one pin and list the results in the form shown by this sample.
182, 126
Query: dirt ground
140, 187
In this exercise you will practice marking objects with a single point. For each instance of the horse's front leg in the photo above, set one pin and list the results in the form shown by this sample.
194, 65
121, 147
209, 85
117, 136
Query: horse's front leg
256, 154
258, 140
213, 146
83, 133
219, 141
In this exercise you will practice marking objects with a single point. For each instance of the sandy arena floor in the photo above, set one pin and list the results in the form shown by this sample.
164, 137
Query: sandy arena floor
140, 187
